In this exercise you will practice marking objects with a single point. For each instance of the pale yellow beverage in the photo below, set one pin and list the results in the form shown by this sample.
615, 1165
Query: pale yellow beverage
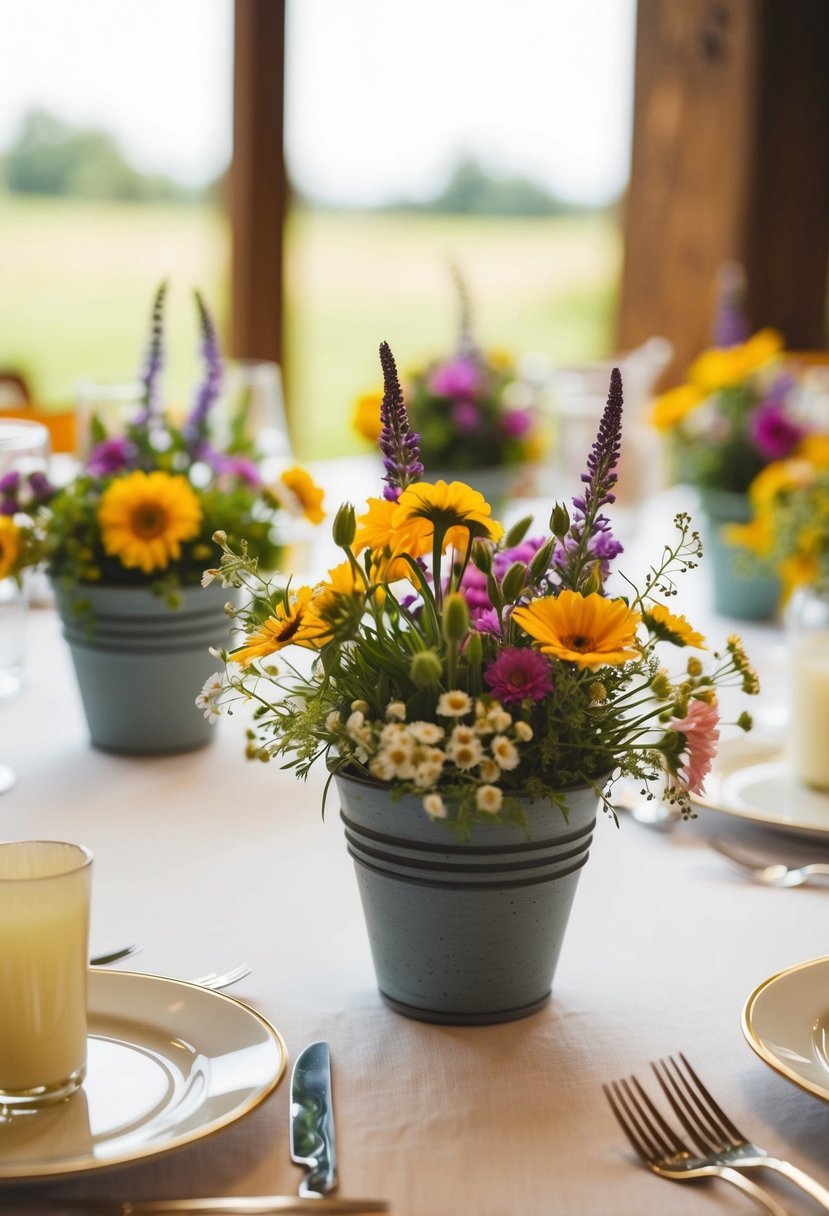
809, 742
45, 889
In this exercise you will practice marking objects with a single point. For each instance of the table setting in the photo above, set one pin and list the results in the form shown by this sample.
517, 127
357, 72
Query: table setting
560, 972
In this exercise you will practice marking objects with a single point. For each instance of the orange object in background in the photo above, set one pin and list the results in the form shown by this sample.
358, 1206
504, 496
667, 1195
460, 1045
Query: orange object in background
59, 423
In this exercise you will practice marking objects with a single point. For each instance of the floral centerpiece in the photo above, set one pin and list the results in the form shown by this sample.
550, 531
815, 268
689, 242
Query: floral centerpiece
452, 675
468, 665
126, 539
473, 410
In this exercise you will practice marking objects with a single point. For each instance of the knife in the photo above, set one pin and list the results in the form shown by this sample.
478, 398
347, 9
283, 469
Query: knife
312, 1121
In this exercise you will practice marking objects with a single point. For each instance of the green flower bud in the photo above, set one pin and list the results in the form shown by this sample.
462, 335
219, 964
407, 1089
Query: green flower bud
593, 581
560, 521
474, 649
455, 617
694, 666
482, 556
345, 526
540, 564
220, 537
515, 580
426, 668
745, 721
517, 532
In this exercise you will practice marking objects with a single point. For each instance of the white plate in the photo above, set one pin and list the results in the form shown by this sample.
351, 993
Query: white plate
168, 1063
752, 779
786, 1021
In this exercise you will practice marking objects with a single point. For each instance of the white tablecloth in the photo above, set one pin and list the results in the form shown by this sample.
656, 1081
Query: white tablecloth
210, 860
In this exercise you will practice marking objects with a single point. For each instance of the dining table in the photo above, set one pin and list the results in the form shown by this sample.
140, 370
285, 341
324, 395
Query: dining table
210, 859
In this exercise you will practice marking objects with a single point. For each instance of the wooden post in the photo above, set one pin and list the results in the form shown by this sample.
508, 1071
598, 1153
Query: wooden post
258, 185
730, 163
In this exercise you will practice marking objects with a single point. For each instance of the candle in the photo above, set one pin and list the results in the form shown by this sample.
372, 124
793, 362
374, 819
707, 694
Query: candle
809, 741
44, 934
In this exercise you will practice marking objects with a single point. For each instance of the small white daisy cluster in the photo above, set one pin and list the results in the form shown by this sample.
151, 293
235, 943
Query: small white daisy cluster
480, 746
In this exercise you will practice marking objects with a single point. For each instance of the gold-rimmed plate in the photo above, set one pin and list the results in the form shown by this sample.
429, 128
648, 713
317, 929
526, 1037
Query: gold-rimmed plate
168, 1063
752, 780
786, 1021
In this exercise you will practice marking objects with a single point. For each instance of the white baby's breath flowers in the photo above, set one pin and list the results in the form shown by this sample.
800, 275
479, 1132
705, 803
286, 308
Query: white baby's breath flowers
523, 731
333, 722
489, 770
463, 754
360, 707
427, 732
434, 806
396, 711
489, 799
498, 718
454, 704
382, 767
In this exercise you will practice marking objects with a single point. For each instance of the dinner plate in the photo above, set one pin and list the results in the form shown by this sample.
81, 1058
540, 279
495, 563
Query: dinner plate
752, 779
168, 1063
786, 1021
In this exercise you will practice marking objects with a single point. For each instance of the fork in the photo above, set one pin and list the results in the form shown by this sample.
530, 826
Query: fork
713, 1132
773, 874
216, 980
656, 1143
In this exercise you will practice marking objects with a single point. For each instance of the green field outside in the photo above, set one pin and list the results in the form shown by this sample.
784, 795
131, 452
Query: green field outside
76, 281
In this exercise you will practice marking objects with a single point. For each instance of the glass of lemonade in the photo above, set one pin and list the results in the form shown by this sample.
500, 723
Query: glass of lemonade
45, 888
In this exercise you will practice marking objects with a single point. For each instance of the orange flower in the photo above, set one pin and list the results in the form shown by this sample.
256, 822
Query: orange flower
453, 507
9, 545
287, 627
587, 630
366, 417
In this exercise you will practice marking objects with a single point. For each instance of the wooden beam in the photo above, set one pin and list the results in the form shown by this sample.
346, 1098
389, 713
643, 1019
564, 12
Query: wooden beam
730, 163
258, 185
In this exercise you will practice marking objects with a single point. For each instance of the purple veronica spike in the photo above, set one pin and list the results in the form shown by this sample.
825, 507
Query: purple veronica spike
195, 427
153, 360
398, 442
730, 325
589, 537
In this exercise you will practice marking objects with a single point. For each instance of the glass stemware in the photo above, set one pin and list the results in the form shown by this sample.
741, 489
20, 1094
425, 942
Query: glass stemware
24, 449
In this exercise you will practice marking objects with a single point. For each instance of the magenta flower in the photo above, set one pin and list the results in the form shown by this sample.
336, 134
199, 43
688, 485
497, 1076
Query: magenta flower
700, 728
518, 675
773, 431
110, 456
460, 378
466, 417
516, 423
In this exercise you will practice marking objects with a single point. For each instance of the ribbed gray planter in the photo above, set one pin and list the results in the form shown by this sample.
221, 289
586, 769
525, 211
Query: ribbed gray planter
464, 933
743, 596
141, 664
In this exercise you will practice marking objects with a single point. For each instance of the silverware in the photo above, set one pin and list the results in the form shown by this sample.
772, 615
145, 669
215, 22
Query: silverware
217, 980
657, 1144
103, 960
771, 873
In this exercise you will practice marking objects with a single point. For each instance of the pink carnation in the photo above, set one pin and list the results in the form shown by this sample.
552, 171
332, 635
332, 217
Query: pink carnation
700, 726
518, 675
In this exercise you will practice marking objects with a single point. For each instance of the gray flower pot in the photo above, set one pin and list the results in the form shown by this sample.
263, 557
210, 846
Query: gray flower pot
141, 664
464, 933
742, 595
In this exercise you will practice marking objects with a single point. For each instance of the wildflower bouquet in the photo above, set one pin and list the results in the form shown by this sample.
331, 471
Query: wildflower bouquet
789, 529
735, 414
472, 410
470, 666
143, 508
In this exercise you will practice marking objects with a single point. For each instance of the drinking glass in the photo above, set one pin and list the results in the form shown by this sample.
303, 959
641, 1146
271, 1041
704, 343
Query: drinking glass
45, 889
24, 449
115, 402
253, 388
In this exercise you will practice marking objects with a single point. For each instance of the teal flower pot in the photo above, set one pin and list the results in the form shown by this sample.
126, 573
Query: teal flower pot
464, 933
140, 664
737, 593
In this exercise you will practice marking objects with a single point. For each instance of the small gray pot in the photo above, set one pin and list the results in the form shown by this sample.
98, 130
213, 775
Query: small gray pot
464, 933
141, 664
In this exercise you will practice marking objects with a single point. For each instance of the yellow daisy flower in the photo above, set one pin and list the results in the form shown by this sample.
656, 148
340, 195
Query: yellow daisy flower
669, 410
337, 604
305, 492
669, 627
287, 627
366, 416
778, 478
9, 545
454, 506
144, 517
723, 368
587, 630
815, 450
374, 532
757, 535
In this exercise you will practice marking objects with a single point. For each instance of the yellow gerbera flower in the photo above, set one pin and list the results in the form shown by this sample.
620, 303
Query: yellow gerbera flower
144, 517
723, 368
814, 449
673, 407
800, 570
287, 627
778, 478
757, 536
366, 417
669, 627
9, 545
374, 528
336, 603
305, 493
587, 630
454, 506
